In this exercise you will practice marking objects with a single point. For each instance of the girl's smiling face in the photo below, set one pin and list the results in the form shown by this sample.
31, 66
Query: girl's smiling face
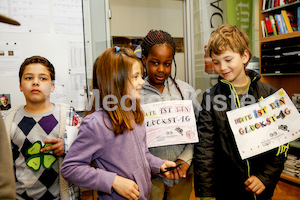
230, 66
136, 81
159, 64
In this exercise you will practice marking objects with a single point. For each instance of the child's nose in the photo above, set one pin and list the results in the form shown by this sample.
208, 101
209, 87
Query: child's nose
36, 81
161, 68
223, 66
142, 82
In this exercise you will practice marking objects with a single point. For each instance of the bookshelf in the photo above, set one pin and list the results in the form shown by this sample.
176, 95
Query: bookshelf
287, 76
281, 37
274, 9
294, 150
290, 178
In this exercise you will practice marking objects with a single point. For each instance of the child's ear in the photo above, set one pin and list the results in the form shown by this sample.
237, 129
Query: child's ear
246, 56
20, 88
53, 86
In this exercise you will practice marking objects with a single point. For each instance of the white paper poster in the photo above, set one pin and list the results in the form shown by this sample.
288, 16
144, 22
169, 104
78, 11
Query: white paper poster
263, 126
33, 15
170, 122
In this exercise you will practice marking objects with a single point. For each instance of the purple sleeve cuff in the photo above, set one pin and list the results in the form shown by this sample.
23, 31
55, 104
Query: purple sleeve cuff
155, 168
105, 184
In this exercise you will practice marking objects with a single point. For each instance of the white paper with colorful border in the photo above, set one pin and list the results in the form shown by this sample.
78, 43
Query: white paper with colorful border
263, 126
170, 123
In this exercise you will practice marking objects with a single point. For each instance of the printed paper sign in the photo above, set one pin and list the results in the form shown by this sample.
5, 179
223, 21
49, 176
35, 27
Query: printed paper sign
170, 122
266, 125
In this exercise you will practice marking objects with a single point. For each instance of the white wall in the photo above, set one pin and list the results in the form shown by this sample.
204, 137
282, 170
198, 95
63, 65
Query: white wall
137, 17
52, 30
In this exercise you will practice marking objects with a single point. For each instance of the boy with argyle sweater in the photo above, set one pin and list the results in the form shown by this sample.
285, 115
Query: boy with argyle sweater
38, 133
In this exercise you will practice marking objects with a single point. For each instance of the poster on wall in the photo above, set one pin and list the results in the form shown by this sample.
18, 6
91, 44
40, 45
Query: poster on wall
213, 15
5, 102
263, 126
170, 123
241, 15
49, 28
33, 15
10, 58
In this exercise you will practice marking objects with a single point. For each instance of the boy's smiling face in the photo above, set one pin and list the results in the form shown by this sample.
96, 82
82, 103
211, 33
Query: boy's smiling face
230, 66
36, 84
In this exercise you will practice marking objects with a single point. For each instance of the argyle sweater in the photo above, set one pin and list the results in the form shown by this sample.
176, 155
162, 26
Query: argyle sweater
26, 129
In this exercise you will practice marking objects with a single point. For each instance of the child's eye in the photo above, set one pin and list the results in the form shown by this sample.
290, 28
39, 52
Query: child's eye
228, 60
167, 64
215, 63
43, 79
137, 76
28, 78
154, 63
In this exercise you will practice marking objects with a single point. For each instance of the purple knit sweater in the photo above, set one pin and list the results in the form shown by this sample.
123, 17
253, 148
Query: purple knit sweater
126, 155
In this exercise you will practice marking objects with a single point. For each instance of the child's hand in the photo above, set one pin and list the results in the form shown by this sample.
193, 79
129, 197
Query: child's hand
126, 187
181, 170
255, 185
57, 146
168, 174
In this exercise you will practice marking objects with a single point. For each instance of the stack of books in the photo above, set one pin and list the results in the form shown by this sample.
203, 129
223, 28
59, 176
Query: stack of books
267, 4
285, 22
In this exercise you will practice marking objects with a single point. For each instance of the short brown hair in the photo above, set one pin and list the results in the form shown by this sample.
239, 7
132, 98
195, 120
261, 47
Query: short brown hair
111, 76
40, 60
228, 37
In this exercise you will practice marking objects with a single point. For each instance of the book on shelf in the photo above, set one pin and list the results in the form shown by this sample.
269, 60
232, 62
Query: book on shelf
264, 28
264, 5
287, 21
274, 3
298, 17
270, 4
289, 1
279, 24
284, 28
269, 26
273, 24
267, 4
292, 15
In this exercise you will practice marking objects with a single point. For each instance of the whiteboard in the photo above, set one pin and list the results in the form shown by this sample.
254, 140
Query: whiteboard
49, 28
